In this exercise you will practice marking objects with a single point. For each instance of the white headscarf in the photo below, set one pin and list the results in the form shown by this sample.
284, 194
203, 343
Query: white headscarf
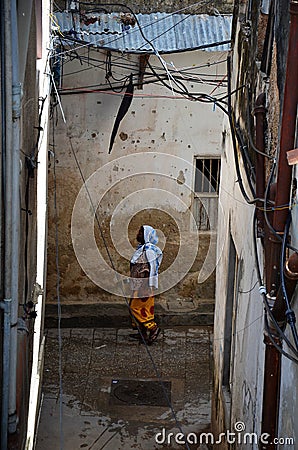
153, 253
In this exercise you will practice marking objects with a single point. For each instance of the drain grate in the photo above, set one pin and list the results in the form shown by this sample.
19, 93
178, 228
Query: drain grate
140, 392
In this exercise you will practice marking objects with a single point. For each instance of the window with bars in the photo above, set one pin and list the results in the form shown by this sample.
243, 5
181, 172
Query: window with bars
207, 175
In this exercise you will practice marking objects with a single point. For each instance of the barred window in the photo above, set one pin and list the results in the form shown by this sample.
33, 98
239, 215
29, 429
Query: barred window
207, 175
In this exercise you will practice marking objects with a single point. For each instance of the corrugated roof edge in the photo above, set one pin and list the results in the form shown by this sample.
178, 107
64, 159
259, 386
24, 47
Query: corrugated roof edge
170, 33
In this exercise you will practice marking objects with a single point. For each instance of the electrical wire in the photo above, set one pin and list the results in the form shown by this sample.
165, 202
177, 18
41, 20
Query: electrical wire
239, 331
123, 293
290, 315
248, 166
135, 65
182, 76
143, 96
233, 134
101, 88
178, 83
155, 51
278, 348
58, 299
263, 292
250, 290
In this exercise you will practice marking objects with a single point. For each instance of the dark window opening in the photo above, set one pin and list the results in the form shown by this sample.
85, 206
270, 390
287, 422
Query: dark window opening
229, 314
207, 175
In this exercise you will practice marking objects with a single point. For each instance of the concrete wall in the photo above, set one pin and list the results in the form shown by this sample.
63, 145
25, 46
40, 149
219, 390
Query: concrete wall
169, 6
240, 398
154, 149
30, 159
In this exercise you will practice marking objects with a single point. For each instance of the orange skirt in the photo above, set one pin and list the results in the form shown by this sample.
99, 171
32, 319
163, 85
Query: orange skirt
143, 311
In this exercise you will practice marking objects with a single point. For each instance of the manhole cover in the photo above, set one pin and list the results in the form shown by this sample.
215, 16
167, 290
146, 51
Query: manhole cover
140, 392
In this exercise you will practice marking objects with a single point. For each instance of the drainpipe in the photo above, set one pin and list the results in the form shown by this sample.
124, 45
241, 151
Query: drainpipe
6, 102
284, 179
15, 205
260, 112
287, 138
5, 305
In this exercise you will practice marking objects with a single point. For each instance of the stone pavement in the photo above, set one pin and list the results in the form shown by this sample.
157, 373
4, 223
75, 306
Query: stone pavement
108, 401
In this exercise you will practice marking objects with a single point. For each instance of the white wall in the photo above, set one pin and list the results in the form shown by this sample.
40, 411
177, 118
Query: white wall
42, 70
247, 354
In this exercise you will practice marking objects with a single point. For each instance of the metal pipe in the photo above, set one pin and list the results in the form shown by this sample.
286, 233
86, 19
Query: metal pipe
3, 139
260, 112
287, 142
15, 205
288, 125
6, 104
5, 305
271, 392
22, 370
268, 234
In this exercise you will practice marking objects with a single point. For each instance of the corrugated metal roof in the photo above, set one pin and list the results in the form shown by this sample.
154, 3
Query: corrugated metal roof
168, 33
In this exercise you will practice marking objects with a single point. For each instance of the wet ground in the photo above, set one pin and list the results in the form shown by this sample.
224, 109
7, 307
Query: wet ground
119, 394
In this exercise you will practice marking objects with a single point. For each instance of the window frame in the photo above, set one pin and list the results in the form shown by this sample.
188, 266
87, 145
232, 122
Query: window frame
215, 193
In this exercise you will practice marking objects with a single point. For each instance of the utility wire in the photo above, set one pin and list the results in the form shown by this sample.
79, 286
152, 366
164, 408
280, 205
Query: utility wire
250, 290
234, 141
198, 78
262, 290
58, 299
155, 51
278, 348
130, 64
123, 293
239, 331
290, 315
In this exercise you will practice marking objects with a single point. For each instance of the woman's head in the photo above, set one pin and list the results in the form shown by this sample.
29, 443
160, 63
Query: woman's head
147, 234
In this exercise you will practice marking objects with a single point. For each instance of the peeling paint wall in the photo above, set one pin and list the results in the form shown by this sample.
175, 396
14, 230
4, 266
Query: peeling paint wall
147, 178
240, 399
188, 6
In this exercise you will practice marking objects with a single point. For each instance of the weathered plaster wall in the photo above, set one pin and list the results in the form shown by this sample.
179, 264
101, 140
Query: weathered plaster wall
167, 6
157, 123
29, 135
243, 403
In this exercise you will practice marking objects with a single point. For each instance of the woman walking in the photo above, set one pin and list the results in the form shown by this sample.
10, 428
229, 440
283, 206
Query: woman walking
144, 266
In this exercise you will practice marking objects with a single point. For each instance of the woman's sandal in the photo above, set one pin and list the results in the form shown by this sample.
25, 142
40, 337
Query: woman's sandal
153, 335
